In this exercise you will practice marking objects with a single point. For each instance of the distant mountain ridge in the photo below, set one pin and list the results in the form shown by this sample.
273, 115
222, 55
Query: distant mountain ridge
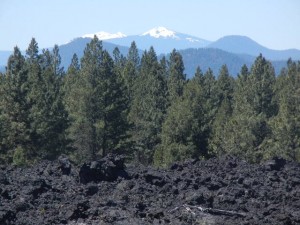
214, 58
78, 45
162, 39
244, 45
233, 50
165, 40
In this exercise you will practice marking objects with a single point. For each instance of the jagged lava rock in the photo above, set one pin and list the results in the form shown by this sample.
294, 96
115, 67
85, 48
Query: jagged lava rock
215, 191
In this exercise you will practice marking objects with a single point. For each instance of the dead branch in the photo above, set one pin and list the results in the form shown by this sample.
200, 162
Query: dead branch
212, 211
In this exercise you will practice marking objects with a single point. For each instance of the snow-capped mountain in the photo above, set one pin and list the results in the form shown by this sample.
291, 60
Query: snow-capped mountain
162, 39
196, 51
102, 35
161, 32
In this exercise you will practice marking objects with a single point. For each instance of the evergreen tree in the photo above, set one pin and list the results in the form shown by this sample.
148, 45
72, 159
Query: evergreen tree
14, 108
33, 114
199, 77
209, 102
224, 90
164, 68
240, 129
74, 100
248, 130
3, 131
224, 86
83, 130
49, 117
99, 117
285, 140
32, 52
119, 61
133, 55
210, 94
131, 69
262, 81
56, 62
71, 85
183, 131
115, 109
144, 108
177, 134
147, 108
176, 76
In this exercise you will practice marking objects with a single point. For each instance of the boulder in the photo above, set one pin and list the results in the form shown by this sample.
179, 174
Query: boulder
108, 168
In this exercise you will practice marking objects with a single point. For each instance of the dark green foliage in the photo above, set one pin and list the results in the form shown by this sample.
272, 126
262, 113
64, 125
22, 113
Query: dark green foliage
148, 107
119, 62
285, 141
15, 108
96, 103
144, 108
131, 69
225, 91
32, 112
183, 131
48, 115
189, 120
254, 103
261, 87
176, 76
177, 134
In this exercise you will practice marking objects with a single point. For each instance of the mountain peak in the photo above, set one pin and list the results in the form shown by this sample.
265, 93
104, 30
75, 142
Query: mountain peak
105, 35
158, 32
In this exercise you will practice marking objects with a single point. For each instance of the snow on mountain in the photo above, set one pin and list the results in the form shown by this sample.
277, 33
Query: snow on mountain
192, 39
158, 32
162, 39
105, 35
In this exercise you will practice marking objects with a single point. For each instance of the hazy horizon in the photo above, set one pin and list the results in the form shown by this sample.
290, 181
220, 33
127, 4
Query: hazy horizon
273, 24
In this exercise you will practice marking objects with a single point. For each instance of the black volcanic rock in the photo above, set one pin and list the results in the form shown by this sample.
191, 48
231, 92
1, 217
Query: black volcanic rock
106, 169
215, 191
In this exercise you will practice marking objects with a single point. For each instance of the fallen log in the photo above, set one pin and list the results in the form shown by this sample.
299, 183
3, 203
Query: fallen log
189, 208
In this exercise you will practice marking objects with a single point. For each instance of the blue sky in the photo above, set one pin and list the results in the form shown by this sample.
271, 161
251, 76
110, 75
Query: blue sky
272, 23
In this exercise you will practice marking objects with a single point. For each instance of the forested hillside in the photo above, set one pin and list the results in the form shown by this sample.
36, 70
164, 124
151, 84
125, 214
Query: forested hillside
144, 108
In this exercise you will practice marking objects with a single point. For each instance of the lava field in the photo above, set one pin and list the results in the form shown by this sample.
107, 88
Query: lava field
215, 191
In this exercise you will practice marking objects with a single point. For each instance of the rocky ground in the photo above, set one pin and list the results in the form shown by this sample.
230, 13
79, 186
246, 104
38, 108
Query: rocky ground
216, 191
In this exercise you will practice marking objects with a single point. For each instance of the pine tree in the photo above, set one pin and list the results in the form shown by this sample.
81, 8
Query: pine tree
224, 86
74, 100
50, 119
199, 77
240, 129
131, 69
33, 114
177, 134
183, 131
32, 52
286, 125
115, 109
164, 67
262, 81
248, 130
71, 86
147, 108
209, 103
3, 130
14, 108
119, 61
176, 76
99, 117
210, 94
224, 90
